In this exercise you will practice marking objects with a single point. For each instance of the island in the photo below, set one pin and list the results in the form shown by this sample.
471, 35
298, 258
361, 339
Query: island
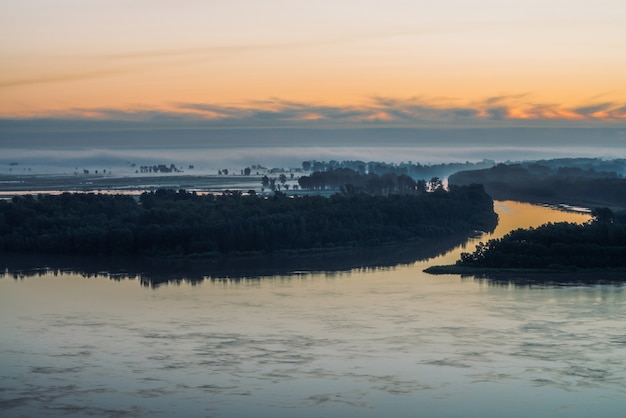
188, 224
599, 245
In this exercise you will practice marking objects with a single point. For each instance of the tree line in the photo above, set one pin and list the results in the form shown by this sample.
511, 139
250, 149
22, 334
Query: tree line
547, 183
413, 170
598, 244
169, 222
352, 182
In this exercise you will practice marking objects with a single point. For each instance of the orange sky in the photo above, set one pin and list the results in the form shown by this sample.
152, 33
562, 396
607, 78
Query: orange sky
533, 60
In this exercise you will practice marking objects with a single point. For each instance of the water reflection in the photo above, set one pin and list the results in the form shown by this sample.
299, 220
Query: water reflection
389, 342
366, 342
560, 279
155, 271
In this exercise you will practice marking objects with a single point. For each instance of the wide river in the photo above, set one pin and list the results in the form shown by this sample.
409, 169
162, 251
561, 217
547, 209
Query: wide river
388, 342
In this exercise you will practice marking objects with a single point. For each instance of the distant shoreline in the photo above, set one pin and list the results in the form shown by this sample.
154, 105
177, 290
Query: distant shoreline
22, 184
530, 273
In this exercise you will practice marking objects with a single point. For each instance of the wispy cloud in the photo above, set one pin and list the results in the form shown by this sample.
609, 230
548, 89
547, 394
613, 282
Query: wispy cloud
133, 61
500, 111
106, 65
64, 77
140, 60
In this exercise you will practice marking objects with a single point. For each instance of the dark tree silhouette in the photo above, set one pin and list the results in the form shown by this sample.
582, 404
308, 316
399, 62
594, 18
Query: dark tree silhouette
603, 215
179, 223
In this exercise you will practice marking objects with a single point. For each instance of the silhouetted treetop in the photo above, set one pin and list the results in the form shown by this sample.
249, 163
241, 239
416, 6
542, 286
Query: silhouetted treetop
547, 182
168, 222
598, 244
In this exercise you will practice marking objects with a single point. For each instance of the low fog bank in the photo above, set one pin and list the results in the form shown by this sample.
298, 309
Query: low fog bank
212, 150
27, 136
210, 160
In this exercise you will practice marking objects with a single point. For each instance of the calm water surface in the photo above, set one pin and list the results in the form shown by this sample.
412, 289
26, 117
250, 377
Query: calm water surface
380, 342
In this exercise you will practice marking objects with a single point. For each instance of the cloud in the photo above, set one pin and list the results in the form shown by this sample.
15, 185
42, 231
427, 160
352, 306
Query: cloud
607, 110
142, 60
183, 52
378, 111
60, 78
497, 113
132, 62
592, 109
496, 100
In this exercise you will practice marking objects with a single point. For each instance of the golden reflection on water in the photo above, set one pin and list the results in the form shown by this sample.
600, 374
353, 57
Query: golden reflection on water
368, 343
511, 215
514, 215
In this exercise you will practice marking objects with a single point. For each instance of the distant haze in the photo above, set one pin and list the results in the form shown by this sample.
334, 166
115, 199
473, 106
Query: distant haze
289, 147
275, 81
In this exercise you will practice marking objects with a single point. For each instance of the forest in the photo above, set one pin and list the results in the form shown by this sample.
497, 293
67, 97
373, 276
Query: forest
598, 244
351, 182
586, 182
413, 170
182, 223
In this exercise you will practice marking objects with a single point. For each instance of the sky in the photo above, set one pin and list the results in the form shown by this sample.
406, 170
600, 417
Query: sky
313, 64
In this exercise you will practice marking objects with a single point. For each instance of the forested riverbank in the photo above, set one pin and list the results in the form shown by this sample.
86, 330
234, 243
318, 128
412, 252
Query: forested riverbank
180, 223
551, 248
583, 182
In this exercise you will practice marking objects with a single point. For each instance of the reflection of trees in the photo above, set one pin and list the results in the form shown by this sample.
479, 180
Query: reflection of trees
557, 279
156, 271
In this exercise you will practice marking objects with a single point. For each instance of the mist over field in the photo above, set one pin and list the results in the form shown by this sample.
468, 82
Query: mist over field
68, 150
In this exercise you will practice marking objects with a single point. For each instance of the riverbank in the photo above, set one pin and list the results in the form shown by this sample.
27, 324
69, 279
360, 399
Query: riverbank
178, 223
537, 272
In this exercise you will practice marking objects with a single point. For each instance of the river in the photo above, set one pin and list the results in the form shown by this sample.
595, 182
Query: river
367, 342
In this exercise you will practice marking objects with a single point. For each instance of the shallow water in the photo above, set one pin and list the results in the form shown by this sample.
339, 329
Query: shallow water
368, 342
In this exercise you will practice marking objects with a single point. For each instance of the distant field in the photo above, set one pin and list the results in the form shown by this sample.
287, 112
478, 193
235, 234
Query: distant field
23, 184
